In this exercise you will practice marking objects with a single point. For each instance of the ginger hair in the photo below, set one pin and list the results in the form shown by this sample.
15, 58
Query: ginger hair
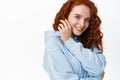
90, 38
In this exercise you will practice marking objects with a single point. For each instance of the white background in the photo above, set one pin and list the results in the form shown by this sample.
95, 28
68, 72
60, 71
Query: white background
22, 26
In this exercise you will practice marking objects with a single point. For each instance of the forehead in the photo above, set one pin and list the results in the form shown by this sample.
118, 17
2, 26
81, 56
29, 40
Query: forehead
81, 10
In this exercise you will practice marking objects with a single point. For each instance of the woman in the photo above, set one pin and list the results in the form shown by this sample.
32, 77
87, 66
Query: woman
74, 49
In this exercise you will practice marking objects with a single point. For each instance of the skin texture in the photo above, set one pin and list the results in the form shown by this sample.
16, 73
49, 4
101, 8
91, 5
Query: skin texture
90, 37
76, 24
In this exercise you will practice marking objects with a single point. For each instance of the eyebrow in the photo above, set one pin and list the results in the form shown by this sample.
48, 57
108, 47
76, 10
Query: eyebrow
81, 15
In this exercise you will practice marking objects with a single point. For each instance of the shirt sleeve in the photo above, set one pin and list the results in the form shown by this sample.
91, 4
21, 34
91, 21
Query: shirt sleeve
59, 69
92, 61
57, 66
92, 78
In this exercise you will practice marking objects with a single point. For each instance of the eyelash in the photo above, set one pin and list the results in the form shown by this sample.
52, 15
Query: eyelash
78, 17
87, 20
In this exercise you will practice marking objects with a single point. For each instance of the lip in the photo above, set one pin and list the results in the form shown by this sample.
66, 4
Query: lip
79, 29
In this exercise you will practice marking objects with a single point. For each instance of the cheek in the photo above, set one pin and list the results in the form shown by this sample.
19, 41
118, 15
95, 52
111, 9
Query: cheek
72, 22
86, 27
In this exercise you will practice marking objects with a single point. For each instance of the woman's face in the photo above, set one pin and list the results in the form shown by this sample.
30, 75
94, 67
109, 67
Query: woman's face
79, 19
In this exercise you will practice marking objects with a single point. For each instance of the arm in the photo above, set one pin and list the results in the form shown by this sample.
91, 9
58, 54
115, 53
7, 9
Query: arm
93, 62
59, 69
57, 66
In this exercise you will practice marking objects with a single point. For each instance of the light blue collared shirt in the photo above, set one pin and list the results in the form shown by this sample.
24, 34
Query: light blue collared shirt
70, 60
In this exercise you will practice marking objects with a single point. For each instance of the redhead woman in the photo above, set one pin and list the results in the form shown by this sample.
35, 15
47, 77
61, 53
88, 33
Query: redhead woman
73, 49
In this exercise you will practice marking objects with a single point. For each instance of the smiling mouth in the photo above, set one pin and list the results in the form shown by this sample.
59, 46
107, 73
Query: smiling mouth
79, 29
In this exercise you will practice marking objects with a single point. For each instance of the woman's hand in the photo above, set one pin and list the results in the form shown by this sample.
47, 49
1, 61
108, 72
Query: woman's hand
65, 30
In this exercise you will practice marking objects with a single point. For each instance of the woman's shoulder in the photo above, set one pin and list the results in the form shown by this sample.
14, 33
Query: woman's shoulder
96, 50
51, 35
52, 40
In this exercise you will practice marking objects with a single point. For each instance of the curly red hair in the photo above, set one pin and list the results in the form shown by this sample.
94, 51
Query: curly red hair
93, 35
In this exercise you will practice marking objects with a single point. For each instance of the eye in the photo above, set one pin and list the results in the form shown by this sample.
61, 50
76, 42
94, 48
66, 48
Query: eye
87, 20
77, 17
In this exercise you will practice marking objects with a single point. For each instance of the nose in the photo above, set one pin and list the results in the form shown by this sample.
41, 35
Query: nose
82, 23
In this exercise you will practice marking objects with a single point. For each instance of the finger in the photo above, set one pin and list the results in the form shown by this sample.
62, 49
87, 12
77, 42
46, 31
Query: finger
64, 23
69, 26
61, 26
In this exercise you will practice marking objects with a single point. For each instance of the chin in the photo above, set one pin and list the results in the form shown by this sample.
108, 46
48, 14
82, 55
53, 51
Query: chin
77, 34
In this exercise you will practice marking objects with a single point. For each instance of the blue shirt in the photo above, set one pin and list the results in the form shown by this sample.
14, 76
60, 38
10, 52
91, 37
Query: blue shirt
70, 60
